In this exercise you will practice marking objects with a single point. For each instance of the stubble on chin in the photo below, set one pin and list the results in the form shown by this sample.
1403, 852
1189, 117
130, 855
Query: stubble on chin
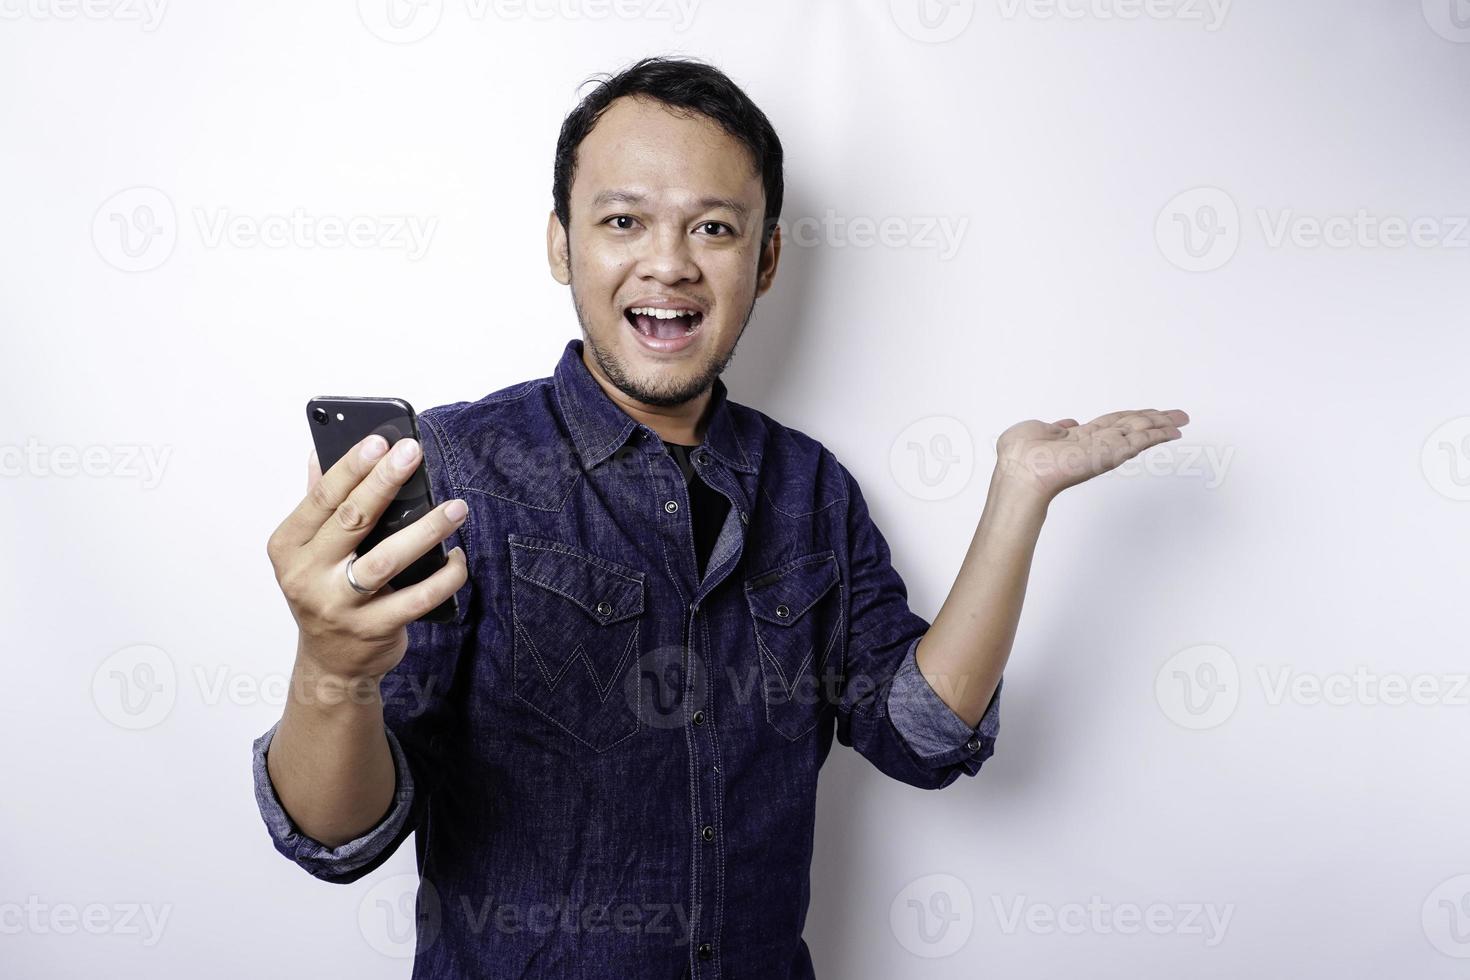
665, 393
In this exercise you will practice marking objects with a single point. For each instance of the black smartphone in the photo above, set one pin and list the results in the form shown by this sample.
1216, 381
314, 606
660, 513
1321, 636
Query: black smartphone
340, 422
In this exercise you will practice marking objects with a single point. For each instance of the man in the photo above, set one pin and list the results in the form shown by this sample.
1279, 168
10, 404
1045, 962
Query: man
669, 602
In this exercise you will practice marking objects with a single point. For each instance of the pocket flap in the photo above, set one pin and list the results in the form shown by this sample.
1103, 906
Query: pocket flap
783, 594
606, 591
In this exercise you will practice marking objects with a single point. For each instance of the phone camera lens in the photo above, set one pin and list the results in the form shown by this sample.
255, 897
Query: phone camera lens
319, 415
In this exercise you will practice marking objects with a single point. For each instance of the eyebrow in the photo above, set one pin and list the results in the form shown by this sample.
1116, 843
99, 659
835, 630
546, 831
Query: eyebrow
705, 203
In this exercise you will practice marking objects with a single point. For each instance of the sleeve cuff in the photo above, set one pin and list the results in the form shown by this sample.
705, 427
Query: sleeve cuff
933, 732
320, 860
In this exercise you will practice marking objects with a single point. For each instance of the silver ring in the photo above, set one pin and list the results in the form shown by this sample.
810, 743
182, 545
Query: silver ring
352, 580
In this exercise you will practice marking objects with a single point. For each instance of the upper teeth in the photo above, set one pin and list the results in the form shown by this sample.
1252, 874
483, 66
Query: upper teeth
660, 314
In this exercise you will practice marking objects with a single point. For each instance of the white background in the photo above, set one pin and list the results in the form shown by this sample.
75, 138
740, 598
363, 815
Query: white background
1309, 525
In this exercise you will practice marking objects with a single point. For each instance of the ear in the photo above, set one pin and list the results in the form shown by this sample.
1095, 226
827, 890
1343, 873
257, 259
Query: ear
770, 257
558, 257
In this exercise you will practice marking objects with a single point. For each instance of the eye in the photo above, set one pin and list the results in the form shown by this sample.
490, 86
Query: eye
620, 217
718, 224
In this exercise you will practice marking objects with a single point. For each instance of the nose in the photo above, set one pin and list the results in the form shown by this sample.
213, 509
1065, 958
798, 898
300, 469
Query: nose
668, 257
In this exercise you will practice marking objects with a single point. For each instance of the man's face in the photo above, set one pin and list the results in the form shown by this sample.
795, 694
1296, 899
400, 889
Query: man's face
666, 212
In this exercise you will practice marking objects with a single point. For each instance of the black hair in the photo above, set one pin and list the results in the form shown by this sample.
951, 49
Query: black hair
683, 83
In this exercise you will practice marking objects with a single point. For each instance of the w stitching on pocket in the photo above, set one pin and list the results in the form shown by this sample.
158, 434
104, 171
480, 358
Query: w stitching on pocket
596, 613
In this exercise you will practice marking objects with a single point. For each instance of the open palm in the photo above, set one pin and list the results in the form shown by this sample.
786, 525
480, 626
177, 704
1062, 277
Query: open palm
1047, 458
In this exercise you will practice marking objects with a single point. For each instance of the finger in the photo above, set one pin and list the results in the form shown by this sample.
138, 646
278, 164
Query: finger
403, 606
365, 502
403, 547
313, 470
326, 493
1066, 423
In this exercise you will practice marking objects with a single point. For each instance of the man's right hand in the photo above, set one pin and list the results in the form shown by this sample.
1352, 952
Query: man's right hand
344, 634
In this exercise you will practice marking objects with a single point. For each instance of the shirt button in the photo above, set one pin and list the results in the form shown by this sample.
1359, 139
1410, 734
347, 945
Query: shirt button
782, 612
604, 608
708, 833
706, 951
973, 744
701, 458
671, 505
699, 717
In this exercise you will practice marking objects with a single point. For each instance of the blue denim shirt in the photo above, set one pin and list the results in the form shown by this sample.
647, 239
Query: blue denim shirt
611, 764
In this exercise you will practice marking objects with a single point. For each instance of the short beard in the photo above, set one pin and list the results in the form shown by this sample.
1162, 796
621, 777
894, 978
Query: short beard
668, 395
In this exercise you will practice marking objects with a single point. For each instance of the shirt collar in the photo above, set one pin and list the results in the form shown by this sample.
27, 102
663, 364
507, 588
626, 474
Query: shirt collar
599, 427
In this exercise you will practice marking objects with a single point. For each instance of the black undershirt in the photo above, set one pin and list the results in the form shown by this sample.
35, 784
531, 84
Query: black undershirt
707, 506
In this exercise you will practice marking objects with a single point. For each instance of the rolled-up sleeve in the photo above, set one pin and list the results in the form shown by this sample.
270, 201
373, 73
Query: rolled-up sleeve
887, 710
933, 731
420, 714
348, 861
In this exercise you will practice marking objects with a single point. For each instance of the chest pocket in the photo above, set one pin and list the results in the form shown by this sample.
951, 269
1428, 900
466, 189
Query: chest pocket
797, 612
576, 617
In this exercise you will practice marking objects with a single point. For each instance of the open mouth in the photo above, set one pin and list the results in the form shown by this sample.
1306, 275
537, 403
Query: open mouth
660, 324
